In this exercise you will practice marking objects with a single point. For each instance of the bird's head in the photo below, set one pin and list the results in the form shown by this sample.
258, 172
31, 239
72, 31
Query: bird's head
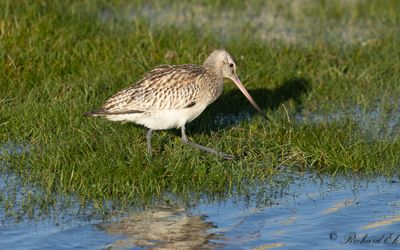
222, 64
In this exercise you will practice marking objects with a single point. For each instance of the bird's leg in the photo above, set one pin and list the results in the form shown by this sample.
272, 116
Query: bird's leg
204, 148
148, 137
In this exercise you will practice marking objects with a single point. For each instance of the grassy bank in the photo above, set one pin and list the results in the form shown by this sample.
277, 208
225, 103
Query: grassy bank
326, 73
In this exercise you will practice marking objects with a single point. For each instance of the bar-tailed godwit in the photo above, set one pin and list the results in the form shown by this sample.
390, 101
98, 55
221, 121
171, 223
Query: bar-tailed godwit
172, 95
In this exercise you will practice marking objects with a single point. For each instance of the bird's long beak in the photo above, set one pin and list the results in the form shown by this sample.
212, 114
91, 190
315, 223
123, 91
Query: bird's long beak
248, 96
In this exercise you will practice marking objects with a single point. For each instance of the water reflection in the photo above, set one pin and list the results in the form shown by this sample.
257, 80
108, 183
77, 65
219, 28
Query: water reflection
162, 228
301, 214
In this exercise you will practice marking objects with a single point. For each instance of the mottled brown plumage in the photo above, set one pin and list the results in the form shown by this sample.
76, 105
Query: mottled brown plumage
170, 96
166, 87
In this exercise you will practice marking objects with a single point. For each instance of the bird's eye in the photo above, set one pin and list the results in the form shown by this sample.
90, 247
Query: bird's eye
231, 65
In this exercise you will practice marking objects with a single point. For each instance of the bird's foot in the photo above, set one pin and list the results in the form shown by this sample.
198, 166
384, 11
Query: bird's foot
208, 150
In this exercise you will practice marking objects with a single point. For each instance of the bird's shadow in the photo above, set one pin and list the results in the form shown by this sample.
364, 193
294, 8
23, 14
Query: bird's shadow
232, 107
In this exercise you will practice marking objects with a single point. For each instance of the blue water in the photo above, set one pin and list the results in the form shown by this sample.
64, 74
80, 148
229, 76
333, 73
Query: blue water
311, 212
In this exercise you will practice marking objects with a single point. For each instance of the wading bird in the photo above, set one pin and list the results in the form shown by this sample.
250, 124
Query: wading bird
172, 95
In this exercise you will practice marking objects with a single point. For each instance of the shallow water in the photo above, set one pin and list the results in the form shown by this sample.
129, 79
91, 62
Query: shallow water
284, 22
313, 212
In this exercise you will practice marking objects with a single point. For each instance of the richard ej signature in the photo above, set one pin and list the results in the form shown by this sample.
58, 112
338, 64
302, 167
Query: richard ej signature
366, 239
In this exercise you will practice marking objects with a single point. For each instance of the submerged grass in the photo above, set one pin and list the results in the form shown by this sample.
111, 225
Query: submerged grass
61, 58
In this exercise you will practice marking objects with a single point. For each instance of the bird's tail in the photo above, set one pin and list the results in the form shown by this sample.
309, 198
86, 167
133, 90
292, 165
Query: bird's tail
99, 112
103, 112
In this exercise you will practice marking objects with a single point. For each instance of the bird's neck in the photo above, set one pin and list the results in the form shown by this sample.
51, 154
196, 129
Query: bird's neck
211, 66
214, 85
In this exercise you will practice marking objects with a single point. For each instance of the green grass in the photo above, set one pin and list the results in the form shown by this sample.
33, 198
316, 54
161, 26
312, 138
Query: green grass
60, 59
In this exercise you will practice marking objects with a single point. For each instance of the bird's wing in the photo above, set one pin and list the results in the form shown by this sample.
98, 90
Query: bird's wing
163, 88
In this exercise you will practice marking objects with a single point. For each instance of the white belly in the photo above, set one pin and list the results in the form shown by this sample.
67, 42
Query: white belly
161, 119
